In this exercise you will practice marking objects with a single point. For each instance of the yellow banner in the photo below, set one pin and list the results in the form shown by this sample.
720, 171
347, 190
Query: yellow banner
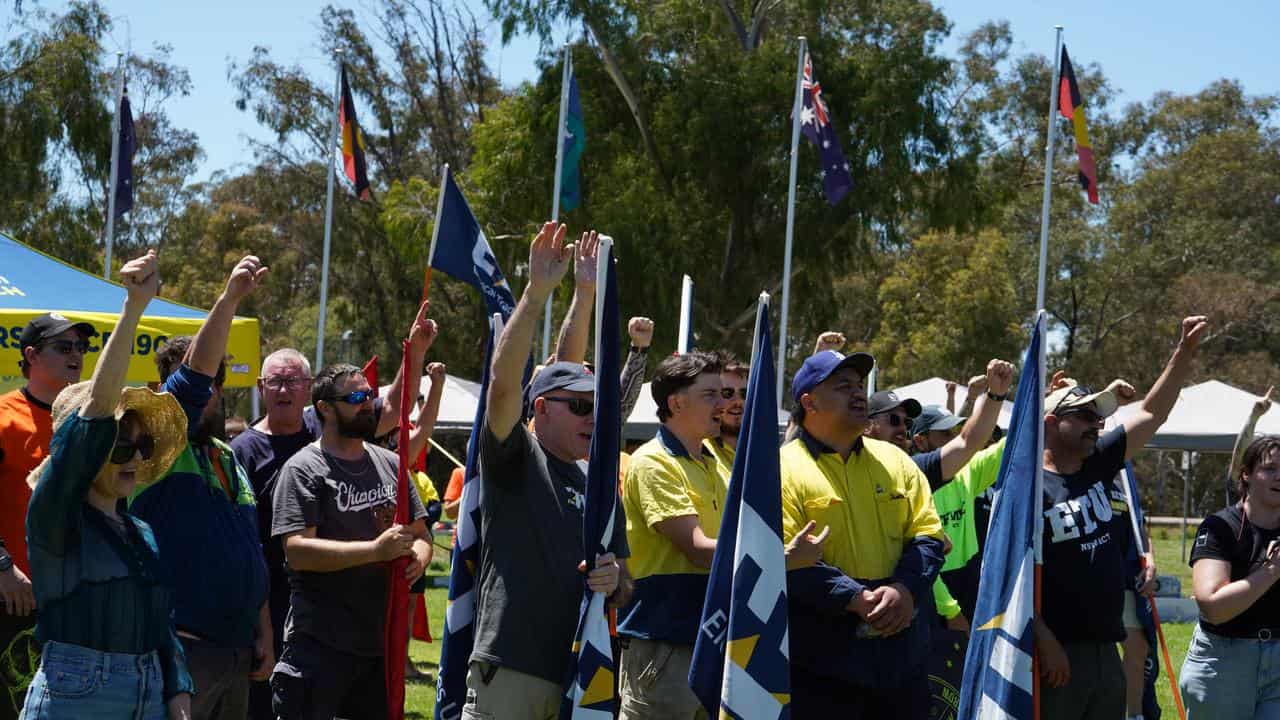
243, 353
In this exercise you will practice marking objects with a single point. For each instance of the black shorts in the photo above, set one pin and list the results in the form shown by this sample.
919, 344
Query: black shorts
313, 681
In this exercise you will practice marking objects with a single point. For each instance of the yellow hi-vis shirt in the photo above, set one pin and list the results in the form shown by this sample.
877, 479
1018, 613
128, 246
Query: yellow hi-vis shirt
724, 456
663, 481
875, 502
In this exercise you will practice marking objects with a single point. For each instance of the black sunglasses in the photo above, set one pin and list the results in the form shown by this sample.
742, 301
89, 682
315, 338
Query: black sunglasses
895, 420
728, 393
124, 450
577, 406
357, 397
64, 347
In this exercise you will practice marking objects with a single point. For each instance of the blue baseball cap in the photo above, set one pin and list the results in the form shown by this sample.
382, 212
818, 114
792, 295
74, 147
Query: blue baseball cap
819, 367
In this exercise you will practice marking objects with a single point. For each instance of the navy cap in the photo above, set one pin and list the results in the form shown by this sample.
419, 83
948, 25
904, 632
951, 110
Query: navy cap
43, 327
819, 367
886, 400
934, 417
561, 376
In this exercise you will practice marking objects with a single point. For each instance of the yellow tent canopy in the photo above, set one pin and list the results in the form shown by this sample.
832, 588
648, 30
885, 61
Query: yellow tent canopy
32, 283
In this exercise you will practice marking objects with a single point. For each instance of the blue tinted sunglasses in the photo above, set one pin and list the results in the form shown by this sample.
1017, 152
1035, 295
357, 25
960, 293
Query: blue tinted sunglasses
354, 398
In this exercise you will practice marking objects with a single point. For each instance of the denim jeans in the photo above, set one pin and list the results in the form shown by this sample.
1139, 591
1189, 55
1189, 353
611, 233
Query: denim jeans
1237, 678
78, 682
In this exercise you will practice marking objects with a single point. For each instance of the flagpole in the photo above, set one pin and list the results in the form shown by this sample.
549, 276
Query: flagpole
328, 214
1048, 166
686, 315
796, 105
761, 302
115, 165
566, 70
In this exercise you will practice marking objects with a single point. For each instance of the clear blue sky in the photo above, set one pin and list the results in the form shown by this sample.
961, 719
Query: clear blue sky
1142, 45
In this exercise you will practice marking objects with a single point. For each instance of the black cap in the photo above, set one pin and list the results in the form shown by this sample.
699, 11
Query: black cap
43, 327
886, 400
561, 376
934, 417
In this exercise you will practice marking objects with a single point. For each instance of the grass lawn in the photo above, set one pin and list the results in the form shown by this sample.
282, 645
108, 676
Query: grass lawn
420, 697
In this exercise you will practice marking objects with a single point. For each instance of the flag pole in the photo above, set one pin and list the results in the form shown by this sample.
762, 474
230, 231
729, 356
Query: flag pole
686, 315
115, 165
435, 232
1048, 167
328, 213
566, 71
796, 105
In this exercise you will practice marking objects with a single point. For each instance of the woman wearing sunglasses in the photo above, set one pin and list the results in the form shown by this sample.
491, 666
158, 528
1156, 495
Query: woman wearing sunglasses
109, 649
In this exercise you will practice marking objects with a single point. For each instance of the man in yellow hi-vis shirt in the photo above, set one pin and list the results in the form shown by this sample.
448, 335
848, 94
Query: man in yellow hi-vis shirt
673, 495
860, 621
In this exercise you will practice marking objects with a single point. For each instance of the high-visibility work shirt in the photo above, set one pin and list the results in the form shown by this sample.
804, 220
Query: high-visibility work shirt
956, 588
663, 482
875, 502
724, 456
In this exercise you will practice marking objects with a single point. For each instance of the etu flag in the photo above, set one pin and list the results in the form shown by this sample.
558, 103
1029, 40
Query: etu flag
460, 250
741, 659
590, 694
997, 668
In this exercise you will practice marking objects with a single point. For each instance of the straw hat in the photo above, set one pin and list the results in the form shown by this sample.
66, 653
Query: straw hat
160, 412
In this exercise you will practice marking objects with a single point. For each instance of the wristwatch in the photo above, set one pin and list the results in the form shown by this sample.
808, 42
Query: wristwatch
1000, 398
640, 350
6, 561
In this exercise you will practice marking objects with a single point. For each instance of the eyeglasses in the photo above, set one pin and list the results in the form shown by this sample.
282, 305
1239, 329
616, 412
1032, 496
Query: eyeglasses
728, 393
354, 398
124, 450
64, 347
280, 383
577, 406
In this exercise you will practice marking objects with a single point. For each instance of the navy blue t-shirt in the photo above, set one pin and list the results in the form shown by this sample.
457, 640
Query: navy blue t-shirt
930, 463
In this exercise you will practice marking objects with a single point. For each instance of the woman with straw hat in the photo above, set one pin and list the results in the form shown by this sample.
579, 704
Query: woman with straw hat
109, 649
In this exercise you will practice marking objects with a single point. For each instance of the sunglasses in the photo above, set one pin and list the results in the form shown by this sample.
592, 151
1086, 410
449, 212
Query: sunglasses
577, 406
354, 398
65, 347
124, 450
1078, 391
284, 383
1088, 415
728, 393
895, 420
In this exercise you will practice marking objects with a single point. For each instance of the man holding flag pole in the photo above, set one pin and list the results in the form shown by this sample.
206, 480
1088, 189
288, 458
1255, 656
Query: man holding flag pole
532, 505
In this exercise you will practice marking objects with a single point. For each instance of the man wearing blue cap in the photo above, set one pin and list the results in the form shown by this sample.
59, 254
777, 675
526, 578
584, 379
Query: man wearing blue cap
860, 622
529, 582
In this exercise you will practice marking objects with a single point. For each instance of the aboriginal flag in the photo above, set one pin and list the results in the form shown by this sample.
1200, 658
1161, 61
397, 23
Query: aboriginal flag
353, 162
1071, 105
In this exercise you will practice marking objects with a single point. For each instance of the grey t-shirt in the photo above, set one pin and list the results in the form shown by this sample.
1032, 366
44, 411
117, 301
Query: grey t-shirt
343, 501
529, 585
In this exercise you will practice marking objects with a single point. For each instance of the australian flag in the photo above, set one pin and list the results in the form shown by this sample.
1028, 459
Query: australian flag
590, 694
997, 668
458, 637
460, 250
124, 171
740, 666
815, 123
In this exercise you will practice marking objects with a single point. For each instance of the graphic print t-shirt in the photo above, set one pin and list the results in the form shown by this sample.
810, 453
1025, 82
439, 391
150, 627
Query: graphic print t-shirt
1085, 537
346, 501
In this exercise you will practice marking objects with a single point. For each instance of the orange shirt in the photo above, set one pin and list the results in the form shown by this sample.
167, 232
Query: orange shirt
454, 491
26, 426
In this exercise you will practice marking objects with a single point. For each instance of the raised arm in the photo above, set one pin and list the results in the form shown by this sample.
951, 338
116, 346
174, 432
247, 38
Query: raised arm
632, 377
1140, 427
977, 429
575, 333
829, 340
210, 344
141, 278
426, 421
422, 334
1245, 437
548, 262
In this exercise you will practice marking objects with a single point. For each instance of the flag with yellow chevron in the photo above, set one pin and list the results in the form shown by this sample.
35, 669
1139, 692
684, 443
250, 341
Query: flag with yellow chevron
741, 662
997, 668
590, 694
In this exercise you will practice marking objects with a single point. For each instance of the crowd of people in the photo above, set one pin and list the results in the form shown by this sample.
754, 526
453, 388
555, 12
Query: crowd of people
158, 571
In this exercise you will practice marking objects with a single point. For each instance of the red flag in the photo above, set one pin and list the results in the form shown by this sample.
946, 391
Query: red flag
396, 629
370, 371
421, 623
